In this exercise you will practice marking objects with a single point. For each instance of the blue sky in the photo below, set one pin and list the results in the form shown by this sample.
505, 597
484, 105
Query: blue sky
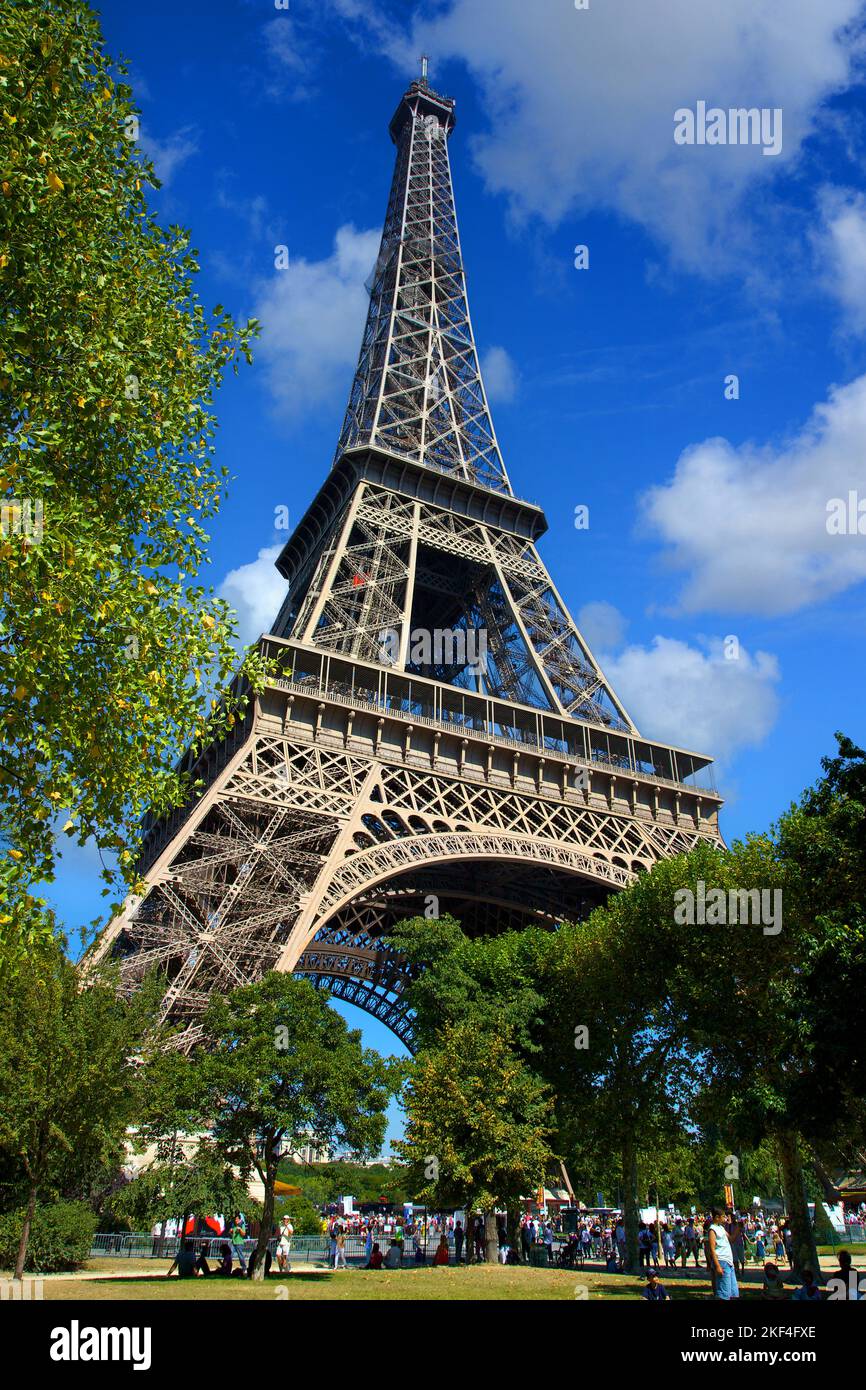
708, 515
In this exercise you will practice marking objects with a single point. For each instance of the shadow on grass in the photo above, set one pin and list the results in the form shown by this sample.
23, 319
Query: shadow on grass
212, 1280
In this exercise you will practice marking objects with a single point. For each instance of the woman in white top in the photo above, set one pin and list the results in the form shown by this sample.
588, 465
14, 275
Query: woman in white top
284, 1248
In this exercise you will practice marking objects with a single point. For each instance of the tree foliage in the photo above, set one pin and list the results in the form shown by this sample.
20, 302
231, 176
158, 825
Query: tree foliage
108, 367
479, 1120
277, 1068
68, 1086
188, 1180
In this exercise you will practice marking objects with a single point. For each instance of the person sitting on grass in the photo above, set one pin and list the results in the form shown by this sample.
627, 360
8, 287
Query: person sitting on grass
224, 1268
394, 1257
441, 1256
375, 1260
808, 1290
188, 1262
844, 1283
655, 1291
773, 1286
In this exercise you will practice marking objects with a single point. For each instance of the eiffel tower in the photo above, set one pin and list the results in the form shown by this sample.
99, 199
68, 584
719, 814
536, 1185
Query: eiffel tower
396, 764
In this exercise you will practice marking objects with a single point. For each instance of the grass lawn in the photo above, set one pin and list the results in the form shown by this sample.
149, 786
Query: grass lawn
111, 1280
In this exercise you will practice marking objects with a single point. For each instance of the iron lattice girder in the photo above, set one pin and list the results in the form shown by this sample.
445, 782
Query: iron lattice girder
401, 824
357, 786
417, 389
370, 581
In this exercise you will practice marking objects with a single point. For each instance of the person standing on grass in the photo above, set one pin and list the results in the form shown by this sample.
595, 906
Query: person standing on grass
525, 1240
339, 1248
238, 1236
480, 1252
643, 1246
737, 1236
548, 1242
585, 1242
458, 1242
678, 1239
690, 1242
621, 1250
721, 1258
284, 1248
669, 1248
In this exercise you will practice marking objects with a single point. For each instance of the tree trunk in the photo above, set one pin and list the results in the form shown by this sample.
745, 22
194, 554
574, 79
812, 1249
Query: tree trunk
491, 1238
258, 1256
791, 1164
514, 1231
25, 1233
630, 1204
831, 1191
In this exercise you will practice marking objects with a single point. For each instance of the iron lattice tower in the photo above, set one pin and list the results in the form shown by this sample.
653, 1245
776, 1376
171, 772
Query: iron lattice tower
374, 773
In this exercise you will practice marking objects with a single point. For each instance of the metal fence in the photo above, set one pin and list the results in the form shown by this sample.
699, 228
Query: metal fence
141, 1245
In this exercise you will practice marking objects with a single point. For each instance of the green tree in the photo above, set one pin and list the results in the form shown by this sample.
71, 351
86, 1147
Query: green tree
617, 1050
108, 367
190, 1180
479, 1121
277, 1068
822, 844
491, 979
306, 1218
326, 1182
67, 1087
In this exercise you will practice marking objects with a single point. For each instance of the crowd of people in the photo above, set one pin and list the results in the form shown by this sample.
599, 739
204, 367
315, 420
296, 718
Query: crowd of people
723, 1242
407, 1239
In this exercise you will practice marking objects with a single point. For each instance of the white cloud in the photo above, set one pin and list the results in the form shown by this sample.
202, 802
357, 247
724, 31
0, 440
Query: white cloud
602, 625
168, 155
253, 211
581, 103
255, 591
749, 524
697, 699
290, 58
500, 374
312, 317
841, 250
